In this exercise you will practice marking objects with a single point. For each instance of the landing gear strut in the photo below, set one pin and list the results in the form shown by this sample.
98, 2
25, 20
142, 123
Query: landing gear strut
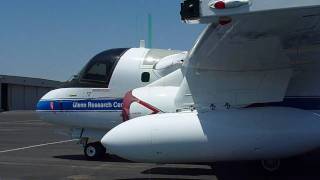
94, 151
271, 165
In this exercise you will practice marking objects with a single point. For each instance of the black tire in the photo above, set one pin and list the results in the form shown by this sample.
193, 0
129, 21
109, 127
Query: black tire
94, 151
271, 165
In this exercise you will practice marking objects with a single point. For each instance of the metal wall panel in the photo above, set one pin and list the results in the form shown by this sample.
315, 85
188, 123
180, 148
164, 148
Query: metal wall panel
41, 91
30, 98
16, 97
0, 97
21, 97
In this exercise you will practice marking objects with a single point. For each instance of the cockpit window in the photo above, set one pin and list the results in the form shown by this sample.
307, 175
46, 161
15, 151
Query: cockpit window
98, 71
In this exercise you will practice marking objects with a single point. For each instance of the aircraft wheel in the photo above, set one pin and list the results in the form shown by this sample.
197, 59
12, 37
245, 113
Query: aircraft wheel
271, 165
94, 151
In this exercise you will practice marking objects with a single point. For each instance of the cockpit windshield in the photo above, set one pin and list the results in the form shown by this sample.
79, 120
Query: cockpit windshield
98, 71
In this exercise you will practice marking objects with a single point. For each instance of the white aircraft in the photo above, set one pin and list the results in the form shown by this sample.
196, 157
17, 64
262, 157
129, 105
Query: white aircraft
91, 103
248, 90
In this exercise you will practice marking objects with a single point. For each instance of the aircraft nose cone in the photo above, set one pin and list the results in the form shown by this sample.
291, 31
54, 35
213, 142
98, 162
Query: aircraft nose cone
48, 104
130, 140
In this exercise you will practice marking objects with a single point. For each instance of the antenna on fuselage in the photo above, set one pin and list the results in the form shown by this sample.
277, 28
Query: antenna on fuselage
149, 30
142, 43
150, 34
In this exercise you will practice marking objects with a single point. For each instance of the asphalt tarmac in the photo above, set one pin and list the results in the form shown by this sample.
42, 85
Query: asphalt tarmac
32, 149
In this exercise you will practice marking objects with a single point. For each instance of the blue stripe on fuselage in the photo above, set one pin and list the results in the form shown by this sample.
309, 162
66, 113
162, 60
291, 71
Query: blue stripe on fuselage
306, 103
80, 105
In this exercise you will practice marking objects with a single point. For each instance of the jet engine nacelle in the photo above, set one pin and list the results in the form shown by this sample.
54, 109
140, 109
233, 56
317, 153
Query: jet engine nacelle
221, 135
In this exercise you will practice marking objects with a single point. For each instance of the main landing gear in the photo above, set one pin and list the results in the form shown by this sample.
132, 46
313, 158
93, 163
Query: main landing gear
93, 150
271, 165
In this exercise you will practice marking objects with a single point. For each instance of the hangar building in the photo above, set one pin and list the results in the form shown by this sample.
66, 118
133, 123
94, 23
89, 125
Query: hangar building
23, 93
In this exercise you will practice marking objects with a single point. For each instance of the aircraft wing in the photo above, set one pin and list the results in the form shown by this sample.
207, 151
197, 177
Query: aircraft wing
246, 58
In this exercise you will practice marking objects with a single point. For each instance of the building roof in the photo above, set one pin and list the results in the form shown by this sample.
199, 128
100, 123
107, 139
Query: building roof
29, 81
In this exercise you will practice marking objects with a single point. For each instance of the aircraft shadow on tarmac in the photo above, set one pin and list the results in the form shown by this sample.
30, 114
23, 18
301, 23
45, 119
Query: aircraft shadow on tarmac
106, 158
306, 167
179, 171
303, 167
156, 179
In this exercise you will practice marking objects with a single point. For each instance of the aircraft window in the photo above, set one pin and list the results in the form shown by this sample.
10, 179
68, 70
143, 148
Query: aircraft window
98, 69
145, 77
96, 72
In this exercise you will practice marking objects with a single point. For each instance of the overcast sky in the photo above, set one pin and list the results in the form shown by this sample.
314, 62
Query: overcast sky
53, 39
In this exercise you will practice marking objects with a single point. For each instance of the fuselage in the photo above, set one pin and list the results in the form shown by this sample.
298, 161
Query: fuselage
93, 99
